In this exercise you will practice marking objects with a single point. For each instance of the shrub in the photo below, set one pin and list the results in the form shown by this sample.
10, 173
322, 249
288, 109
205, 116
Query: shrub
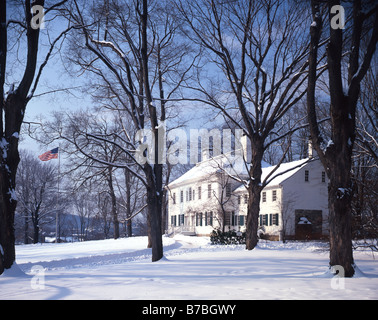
228, 237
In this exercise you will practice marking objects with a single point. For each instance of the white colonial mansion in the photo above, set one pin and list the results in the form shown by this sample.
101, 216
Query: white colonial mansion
294, 205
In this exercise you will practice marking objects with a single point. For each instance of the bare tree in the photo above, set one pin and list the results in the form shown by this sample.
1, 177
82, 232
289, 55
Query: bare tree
131, 194
286, 206
367, 113
365, 165
126, 45
36, 193
261, 53
225, 199
336, 154
13, 102
74, 130
93, 164
85, 206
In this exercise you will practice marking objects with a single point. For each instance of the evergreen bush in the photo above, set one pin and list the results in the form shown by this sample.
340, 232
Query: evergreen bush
227, 238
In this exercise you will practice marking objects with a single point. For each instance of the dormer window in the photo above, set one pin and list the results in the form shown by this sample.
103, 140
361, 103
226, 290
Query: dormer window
307, 175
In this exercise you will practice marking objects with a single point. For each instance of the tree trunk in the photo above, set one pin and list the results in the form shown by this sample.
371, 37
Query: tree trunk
252, 218
36, 232
12, 109
149, 244
337, 157
254, 192
340, 230
35, 221
114, 203
7, 209
223, 217
129, 229
9, 160
154, 207
26, 228
154, 173
340, 192
7, 238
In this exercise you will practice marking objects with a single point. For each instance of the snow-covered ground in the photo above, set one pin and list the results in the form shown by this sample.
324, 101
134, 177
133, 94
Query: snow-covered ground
191, 269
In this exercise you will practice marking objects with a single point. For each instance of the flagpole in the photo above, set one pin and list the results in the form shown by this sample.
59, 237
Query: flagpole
58, 198
47, 156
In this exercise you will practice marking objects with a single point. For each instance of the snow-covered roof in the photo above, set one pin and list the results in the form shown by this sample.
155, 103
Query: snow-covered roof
200, 171
285, 171
206, 169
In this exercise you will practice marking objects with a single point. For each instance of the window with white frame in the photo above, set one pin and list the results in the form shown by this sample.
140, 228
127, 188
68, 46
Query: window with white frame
275, 221
181, 220
210, 217
242, 220
233, 219
174, 221
264, 219
199, 219
269, 219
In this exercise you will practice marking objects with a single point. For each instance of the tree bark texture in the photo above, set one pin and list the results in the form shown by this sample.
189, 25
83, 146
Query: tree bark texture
336, 155
254, 192
154, 206
12, 109
114, 203
154, 173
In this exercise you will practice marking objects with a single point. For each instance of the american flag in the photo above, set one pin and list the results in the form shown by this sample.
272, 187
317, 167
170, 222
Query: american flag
52, 154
